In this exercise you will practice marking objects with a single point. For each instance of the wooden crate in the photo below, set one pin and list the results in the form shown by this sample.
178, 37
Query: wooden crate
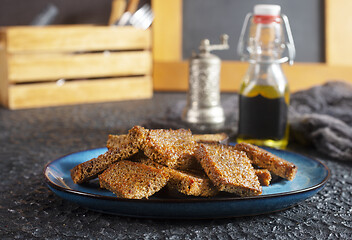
58, 65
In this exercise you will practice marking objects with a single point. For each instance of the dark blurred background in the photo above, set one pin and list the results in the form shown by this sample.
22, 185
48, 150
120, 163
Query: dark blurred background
23, 12
201, 19
210, 19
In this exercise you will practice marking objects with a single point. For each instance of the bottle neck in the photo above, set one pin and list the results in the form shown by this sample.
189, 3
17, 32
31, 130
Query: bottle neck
266, 39
265, 73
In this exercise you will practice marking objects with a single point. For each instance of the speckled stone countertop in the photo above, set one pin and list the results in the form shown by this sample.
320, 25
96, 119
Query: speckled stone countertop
29, 210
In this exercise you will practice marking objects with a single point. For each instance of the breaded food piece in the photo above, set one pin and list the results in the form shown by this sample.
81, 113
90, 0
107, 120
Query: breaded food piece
211, 138
115, 141
90, 169
267, 160
171, 148
188, 183
230, 170
133, 180
264, 176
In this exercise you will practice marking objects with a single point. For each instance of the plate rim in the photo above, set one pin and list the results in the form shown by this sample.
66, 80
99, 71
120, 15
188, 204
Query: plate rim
185, 200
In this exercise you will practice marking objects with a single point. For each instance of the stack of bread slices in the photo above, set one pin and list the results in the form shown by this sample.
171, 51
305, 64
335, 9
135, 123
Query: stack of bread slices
142, 162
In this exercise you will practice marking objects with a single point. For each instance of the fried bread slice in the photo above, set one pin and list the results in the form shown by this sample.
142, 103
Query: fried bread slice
230, 170
211, 138
267, 160
133, 180
119, 147
90, 169
264, 176
188, 183
192, 184
138, 136
171, 148
115, 141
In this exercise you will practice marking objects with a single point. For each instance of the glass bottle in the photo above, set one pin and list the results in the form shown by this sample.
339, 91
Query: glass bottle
264, 93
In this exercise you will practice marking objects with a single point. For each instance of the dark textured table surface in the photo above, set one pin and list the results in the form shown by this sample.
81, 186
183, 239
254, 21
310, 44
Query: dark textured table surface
32, 138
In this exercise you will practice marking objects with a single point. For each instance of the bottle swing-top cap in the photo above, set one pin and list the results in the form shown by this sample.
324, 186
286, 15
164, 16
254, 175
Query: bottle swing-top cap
266, 14
267, 10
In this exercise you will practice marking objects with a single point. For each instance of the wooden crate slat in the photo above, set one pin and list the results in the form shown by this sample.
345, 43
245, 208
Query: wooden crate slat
43, 67
82, 91
76, 38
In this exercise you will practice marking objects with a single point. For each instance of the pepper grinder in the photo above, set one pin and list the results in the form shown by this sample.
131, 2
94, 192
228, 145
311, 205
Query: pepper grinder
203, 107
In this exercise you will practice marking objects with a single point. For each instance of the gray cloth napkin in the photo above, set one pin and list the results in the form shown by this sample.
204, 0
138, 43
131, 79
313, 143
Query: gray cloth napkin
320, 116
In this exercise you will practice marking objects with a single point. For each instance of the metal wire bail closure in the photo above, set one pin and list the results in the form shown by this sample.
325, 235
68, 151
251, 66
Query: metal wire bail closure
290, 45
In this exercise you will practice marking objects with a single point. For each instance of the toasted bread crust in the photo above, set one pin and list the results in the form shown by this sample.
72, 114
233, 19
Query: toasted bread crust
192, 184
171, 148
115, 141
138, 135
211, 138
119, 147
264, 176
133, 180
267, 160
230, 170
90, 169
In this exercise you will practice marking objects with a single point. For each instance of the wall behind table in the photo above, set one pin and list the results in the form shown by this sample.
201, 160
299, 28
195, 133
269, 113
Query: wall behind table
209, 19
22, 12
201, 19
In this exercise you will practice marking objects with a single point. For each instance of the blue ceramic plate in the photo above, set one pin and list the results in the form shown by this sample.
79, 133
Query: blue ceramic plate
281, 194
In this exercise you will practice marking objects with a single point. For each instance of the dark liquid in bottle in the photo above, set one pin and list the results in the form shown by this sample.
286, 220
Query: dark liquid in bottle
262, 118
